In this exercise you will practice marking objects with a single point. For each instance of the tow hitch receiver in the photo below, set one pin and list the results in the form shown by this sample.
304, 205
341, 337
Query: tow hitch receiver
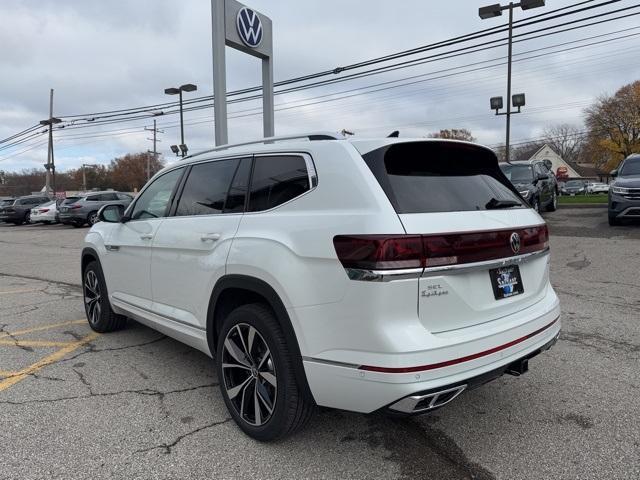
518, 367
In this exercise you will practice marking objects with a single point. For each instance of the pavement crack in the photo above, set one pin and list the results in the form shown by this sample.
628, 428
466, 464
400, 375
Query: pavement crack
167, 447
143, 391
93, 349
14, 339
600, 342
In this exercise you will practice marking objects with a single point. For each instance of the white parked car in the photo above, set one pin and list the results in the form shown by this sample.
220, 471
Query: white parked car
597, 188
45, 213
386, 274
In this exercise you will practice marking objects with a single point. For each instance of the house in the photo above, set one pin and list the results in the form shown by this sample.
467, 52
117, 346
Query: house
562, 169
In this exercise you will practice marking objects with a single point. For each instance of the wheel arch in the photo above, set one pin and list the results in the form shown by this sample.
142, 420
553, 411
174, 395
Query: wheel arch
234, 290
89, 254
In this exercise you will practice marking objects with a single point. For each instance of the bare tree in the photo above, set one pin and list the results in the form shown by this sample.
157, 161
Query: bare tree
566, 140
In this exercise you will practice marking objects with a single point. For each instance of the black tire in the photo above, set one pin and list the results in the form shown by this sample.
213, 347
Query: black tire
292, 408
27, 217
92, 218
613, 221
100, 316
553, 204
77, 224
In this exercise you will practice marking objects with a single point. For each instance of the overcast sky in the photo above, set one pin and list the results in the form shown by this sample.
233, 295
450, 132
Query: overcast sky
105, 55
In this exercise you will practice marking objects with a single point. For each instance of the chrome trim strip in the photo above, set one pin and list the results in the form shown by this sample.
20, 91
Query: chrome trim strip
628, 212
330, 362
469, 267
157, 314
383, 275
406, 273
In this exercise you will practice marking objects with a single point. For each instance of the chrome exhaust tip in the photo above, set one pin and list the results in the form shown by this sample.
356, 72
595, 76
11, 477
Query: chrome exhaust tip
429, 401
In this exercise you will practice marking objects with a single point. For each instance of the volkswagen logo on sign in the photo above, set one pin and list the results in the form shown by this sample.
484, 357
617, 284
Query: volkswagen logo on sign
249, 27
515, 242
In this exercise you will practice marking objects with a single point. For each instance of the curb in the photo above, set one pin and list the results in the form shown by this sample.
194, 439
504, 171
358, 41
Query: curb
583, 205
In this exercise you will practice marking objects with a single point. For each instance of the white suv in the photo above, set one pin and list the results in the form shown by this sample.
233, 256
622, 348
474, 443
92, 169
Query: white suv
386, 274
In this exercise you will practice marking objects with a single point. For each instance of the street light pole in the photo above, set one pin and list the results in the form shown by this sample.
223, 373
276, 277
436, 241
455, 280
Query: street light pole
495, 10
50, 165
509, 82
187, 87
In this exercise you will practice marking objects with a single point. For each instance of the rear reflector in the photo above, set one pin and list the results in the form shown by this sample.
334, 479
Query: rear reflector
456, 361
385, 252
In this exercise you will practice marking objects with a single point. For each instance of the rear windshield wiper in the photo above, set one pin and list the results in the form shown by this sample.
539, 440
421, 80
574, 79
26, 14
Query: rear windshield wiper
494, 204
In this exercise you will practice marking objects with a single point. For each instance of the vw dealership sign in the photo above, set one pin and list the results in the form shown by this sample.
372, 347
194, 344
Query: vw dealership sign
238, 26
249, 27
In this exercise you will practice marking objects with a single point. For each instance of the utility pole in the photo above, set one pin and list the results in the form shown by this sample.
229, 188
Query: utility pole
155, 150
50, 165
84, 174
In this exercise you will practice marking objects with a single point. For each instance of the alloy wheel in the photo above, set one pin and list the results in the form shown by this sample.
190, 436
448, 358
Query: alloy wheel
93, 219
249, 374
92, 297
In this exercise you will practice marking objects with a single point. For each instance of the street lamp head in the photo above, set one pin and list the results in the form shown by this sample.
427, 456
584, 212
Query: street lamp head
529, 4
518, 100
490, 11
496, 103
188, 87
183, 148
172, 91
175, 149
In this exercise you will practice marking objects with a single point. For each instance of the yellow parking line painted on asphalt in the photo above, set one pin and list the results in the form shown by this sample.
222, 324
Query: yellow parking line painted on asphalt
48, 360
6, 373
42, 327
34, 343
8, 292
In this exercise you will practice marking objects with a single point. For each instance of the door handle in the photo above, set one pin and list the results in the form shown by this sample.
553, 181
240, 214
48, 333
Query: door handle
210, 237
146, 236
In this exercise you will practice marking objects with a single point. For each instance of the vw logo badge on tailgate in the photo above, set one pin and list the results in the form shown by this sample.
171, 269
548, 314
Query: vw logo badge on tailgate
249, 27
515, 242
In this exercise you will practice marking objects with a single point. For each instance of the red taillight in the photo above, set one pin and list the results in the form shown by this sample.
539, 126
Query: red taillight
43, 210
73, 207
384, 252
379, 252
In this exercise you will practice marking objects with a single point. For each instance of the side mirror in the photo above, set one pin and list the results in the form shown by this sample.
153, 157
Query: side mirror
111, 213
614, 173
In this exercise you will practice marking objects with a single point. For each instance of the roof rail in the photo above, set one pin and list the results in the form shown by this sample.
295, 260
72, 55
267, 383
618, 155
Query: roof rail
313, 136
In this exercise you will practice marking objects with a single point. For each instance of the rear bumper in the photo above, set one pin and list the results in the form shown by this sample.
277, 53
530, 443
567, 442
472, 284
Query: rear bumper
483, 358
68, 218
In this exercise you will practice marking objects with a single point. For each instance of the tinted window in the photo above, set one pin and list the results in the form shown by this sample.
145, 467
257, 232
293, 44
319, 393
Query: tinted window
518, 173
420, 177
239, 186
206, 188
70, 200
631, 167
124, 196
108, 197
93, 198
153, 202
277, 180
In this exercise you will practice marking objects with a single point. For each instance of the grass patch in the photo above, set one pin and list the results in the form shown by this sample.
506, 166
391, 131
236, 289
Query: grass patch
568, 200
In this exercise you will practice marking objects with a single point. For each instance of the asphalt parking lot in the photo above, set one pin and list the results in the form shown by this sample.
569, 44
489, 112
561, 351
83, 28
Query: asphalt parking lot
136, 404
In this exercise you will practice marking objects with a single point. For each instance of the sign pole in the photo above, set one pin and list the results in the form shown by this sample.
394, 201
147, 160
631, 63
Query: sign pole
219, 71
268, 118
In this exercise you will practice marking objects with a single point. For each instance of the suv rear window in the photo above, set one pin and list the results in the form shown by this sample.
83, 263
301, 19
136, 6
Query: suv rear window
276, 180
425, 177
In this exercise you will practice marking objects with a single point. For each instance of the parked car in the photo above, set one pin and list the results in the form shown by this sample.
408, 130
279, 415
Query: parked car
574, 187
624, 194
535, 185
45, 213
365, 275
83, 209
597, 187
18, 211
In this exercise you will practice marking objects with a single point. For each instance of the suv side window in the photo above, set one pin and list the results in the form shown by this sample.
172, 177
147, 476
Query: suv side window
108, 197
205, 190
93, 198
276, 180
153, 202
124, 196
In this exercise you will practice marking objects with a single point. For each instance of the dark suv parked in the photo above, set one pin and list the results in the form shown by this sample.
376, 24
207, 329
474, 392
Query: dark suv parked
83, 209
534, 182
18, 211
624, 194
